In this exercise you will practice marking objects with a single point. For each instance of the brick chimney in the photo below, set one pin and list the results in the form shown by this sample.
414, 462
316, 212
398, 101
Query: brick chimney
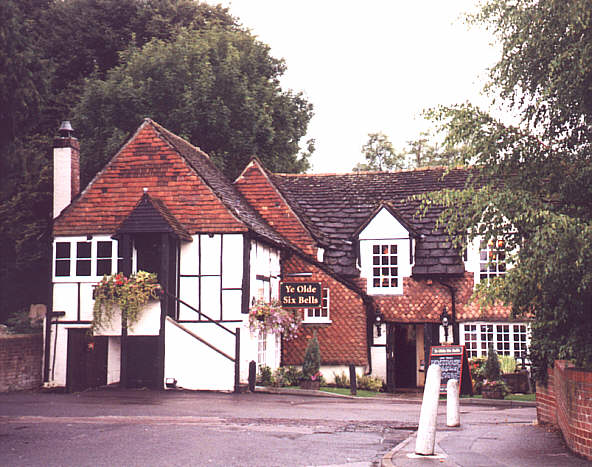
66, 168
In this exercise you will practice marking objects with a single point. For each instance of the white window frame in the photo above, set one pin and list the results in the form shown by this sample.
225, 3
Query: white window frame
261, 349
481, 333
325, 308
73, 241
404, 265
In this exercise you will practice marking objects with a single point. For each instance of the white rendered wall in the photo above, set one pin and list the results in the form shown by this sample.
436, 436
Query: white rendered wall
195, 365
113, 359
62, 176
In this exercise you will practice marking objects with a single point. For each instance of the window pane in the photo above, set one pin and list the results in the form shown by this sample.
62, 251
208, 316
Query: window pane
393, 249
62, 268
63, 250
83, 249
83, 267
104, 249
103, 267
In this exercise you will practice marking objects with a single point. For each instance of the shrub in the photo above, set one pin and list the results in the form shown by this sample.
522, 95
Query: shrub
492, 371
341, 381
477, 365
286, 376
312, 359
264, 377
370, 383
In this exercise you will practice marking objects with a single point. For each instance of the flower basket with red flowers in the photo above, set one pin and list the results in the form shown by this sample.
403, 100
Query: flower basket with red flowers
130, 294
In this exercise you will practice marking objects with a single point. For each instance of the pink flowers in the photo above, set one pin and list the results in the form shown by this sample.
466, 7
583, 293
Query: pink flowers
271, 317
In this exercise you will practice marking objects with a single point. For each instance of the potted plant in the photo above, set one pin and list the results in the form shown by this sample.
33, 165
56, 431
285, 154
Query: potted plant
270, 317
130, 294
311, 376
493, 386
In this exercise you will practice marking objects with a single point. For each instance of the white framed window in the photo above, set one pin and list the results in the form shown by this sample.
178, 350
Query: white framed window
261, 349
492, 259
84, 259
507, 338
385, 266
319, 315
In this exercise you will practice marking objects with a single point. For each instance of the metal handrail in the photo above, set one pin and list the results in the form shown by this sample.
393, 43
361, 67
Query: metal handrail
201, 313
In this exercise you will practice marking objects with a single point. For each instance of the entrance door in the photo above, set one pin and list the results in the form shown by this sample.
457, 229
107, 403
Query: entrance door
401, 356
87, 360
142, 362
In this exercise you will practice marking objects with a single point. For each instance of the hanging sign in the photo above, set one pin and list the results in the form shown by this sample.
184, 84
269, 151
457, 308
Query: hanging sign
300, 294
453, 361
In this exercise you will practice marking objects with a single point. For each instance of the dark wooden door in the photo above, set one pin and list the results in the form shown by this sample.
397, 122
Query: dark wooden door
86, 361
405, 356
142, 362
391, 383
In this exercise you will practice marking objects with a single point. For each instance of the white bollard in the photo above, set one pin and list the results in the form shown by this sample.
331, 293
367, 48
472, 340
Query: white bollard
426, 432
452, 403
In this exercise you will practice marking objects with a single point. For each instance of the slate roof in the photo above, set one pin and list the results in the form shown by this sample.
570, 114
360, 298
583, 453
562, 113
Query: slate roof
152, 215
337, 205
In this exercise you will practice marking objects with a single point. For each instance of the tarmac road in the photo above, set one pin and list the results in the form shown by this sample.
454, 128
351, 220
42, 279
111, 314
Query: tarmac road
140, 427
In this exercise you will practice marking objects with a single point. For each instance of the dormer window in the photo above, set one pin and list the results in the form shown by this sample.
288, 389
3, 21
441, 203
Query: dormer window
492, 259
386, 251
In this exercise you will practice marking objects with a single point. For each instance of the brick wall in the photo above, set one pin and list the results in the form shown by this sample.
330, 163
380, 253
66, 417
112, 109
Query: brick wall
566, 402
20, 362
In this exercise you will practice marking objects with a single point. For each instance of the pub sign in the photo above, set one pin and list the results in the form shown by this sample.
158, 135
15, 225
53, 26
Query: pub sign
300, 294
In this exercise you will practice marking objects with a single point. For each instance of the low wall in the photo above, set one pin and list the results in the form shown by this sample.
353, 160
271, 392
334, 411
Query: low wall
566, 402
21, 358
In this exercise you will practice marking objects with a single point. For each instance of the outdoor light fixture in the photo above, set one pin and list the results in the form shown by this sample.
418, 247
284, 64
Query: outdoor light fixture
378, 319
170, 383
445, 319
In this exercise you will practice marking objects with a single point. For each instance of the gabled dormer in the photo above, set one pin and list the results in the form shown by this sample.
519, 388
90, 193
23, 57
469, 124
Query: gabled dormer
386, 250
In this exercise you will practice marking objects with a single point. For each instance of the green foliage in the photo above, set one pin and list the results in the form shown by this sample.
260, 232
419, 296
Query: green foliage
507, 364
477, 365
129, 294
370, 383
264, 376
217, 88
341, 381
284, 376
19, 323
380, 154
491, 370
312, 359
49, 48
533, 187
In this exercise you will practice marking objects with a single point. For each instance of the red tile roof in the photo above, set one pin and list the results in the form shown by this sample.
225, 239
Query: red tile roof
176, 173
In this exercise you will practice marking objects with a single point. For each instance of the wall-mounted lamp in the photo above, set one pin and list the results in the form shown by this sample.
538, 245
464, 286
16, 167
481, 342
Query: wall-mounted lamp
445, 320
378, 320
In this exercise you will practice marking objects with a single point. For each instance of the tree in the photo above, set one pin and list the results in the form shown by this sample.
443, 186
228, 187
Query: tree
49, 48
534, 185
218, 88
380, 154
423, 152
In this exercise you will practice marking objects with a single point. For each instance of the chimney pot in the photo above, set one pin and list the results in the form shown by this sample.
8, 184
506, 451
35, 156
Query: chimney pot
65, 130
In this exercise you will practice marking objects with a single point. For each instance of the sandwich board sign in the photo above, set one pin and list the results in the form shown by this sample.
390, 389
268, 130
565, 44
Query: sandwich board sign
453, 361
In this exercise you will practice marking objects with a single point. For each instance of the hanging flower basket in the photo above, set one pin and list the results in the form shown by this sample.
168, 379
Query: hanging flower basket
270, 317
130, 294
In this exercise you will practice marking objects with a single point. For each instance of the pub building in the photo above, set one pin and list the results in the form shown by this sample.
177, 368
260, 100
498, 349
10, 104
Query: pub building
378, 284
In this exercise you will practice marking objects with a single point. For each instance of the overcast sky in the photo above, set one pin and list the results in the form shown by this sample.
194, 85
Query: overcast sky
370, 66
